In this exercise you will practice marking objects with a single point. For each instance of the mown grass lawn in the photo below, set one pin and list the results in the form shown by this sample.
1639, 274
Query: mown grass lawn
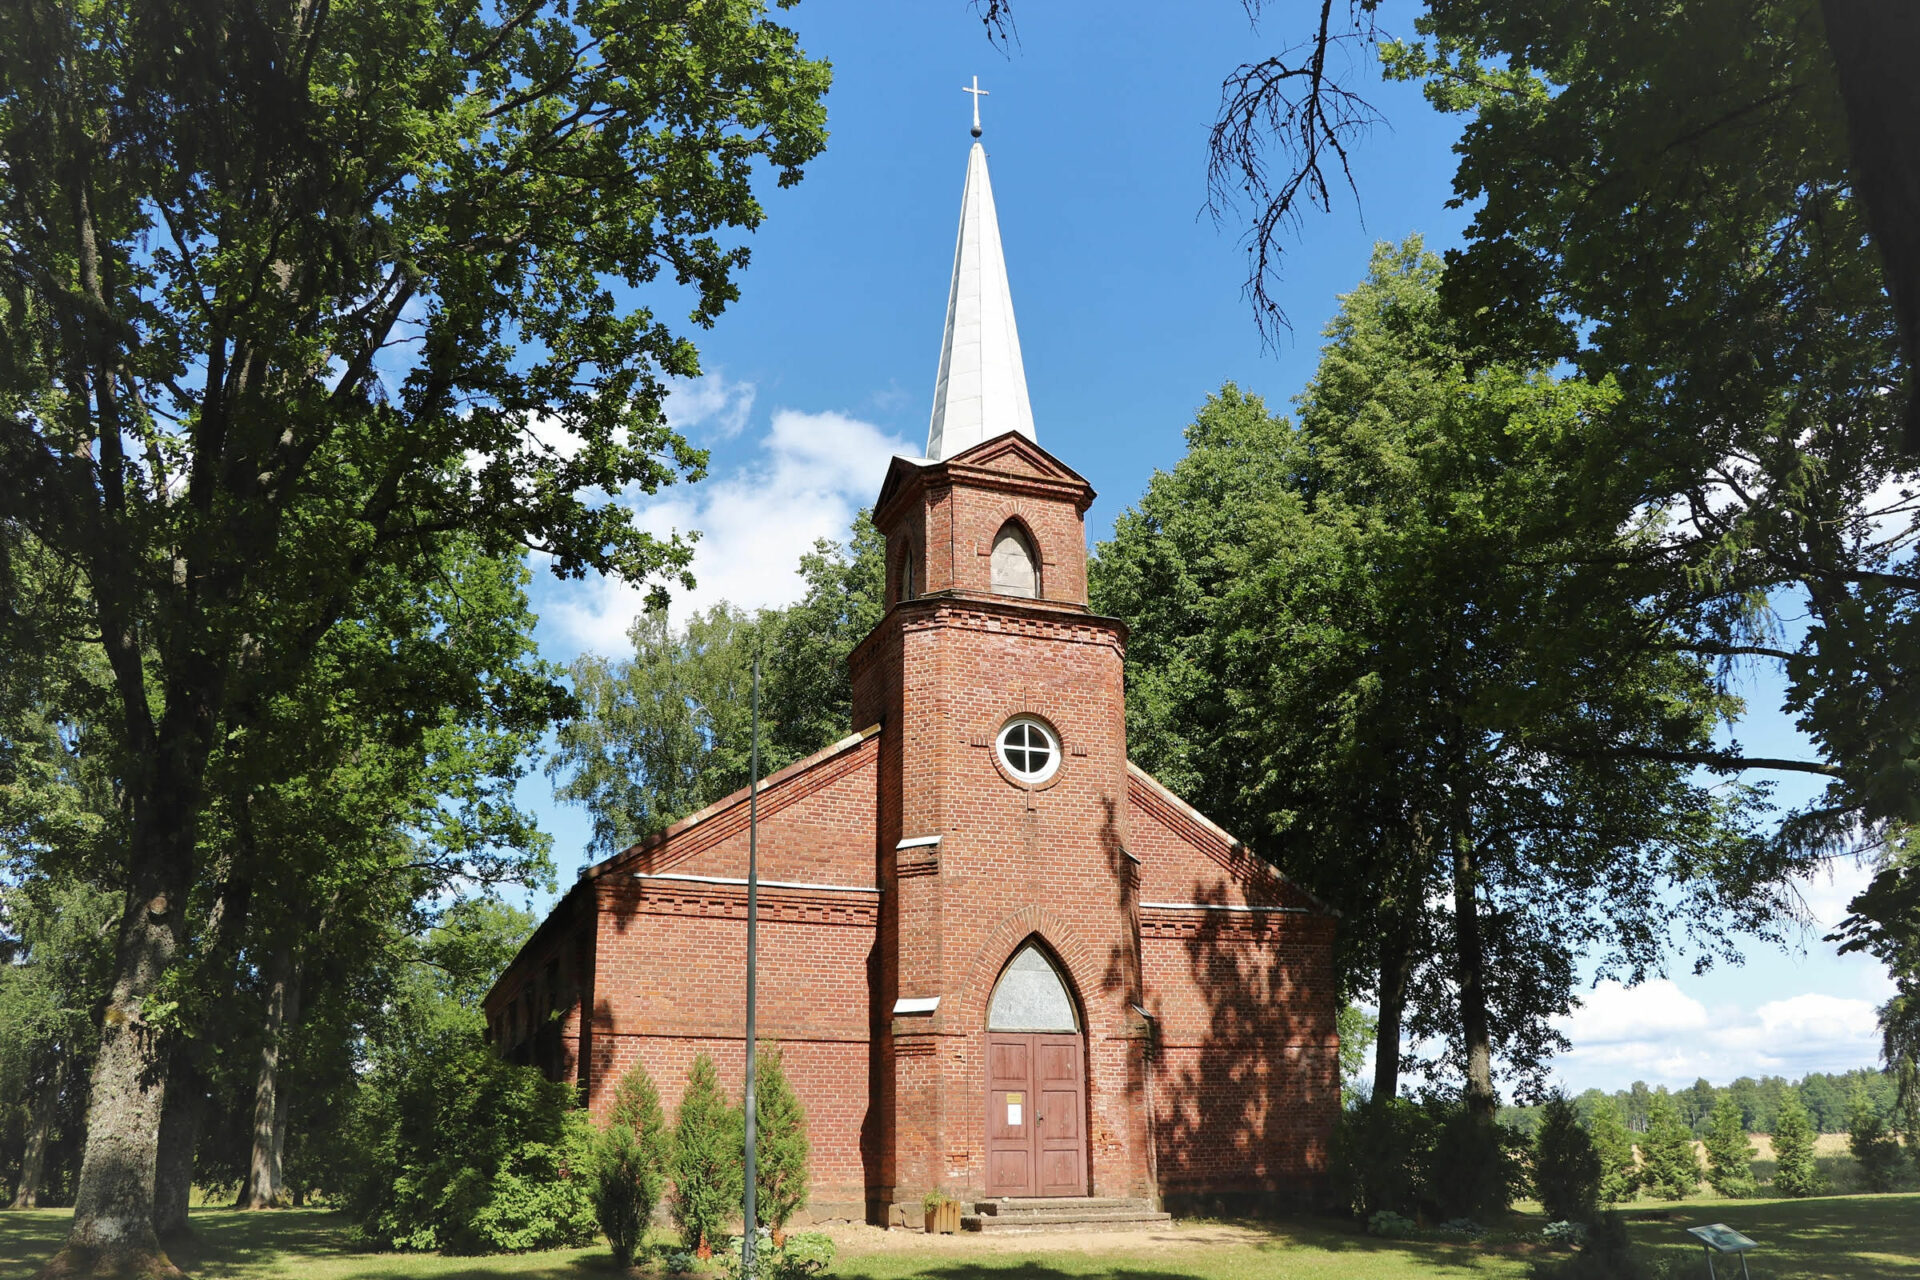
1828, 1238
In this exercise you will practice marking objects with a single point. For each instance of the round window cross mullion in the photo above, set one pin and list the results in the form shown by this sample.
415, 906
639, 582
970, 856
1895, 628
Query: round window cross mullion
1028, 750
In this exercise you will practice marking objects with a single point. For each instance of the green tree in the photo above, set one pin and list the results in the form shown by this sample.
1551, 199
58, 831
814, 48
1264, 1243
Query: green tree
56, 944
1875, 1148
1619, 1172
1359, 1030
707, 1159
1567, 1166
1672, 1164
1372, 610
780, 1143
631, 1159
300, 292
1729, 1153
1794, 1170
666, 731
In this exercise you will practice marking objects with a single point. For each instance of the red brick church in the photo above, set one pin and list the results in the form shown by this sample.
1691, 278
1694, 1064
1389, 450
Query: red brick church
1000, 960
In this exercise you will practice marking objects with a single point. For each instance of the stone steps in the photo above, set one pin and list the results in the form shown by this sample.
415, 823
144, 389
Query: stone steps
1062, 1213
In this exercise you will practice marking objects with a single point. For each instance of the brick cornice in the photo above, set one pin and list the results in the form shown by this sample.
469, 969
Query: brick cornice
627, 897
1001, 615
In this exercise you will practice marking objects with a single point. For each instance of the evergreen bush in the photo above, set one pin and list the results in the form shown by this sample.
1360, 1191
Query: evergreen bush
708, 1159
1874, 1145
1476, 1168
1619, 1171
780, 1144
1566, 1168
1794, 1172
467, 1154
630, 1163
1672, 1165
1729, 1154
1380, 1151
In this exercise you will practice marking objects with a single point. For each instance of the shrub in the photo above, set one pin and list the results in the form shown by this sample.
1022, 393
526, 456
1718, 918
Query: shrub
1380, 1152
467, 1154
1606, 1255
780, 1143
1566, 1168
707, 1159
630, 1160
1619, 1173
1390, 1225
1672, 1165
1475, 1167
1794, 1172
1729, 1154
799, 1257
1873, 1144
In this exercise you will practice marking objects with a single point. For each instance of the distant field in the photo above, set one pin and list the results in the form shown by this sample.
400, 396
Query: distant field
1828, 1238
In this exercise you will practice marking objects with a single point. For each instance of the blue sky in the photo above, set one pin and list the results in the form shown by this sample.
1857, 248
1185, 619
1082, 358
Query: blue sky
1130, 313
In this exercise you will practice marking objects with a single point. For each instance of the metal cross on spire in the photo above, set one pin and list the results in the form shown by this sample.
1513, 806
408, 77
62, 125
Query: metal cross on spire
978, 93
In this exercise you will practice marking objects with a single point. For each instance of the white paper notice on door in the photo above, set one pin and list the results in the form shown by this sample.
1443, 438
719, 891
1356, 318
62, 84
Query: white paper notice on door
1013, 1110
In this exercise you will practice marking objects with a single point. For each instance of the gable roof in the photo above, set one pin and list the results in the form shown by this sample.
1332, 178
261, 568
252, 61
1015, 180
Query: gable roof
728, 815
1229, 852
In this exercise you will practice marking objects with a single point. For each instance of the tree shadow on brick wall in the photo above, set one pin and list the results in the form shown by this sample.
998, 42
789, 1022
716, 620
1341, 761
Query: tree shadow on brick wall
1243, 1117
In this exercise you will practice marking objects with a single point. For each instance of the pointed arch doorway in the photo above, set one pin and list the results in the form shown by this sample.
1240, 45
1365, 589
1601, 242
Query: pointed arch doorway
1036, 1082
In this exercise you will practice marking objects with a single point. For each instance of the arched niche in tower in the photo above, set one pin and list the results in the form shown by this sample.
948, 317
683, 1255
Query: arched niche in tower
905, 585
1031, 995
1016, 569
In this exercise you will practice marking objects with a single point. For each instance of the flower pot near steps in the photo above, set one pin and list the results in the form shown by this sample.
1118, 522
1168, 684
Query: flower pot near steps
944, 1218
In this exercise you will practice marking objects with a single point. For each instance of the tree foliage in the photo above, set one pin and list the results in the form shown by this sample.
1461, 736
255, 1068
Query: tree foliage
297, 294
1619, 1171
1729, 1154
1794, 1170
1388, 617
631, 1157
780, 1143
707, 1159
1567, 1168
1671, 1165
1875, 1147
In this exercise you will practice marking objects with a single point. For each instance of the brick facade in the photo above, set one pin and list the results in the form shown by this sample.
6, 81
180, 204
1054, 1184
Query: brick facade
908, 862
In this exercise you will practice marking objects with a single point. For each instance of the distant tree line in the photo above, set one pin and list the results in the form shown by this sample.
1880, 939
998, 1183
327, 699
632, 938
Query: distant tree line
1829, 1100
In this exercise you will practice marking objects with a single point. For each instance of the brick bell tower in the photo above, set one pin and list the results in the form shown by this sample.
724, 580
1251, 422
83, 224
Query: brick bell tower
1009, 1047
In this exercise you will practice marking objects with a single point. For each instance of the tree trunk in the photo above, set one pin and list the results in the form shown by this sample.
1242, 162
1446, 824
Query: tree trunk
265, 1171
1470, 974
1396, 967
33, 1161
180, 1122
113, 1208
1876, 50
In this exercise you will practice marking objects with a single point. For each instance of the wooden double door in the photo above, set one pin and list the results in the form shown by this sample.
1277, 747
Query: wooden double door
1036, 1114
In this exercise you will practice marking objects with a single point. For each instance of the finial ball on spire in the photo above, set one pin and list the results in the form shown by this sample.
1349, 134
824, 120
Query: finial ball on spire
977, 93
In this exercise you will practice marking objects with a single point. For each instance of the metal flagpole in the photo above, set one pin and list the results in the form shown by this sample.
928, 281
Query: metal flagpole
749, 1238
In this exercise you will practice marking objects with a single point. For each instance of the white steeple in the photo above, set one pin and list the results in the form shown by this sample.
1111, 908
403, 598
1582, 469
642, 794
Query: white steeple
982, 388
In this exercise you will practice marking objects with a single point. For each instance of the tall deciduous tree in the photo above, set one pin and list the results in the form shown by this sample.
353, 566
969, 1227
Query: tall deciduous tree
293, 294
1375, 614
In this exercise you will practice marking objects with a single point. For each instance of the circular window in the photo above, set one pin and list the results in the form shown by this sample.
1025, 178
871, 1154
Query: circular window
1029, 750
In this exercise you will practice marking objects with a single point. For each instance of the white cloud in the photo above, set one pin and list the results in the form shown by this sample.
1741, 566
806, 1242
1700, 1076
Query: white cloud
1658, 1033
812, 472
709, 406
